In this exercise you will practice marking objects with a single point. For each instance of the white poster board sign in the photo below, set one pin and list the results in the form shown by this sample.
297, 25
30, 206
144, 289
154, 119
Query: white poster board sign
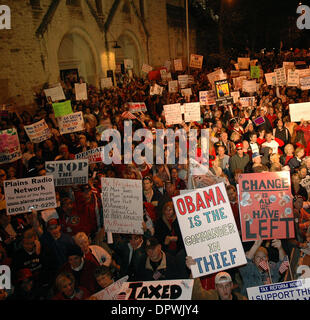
292, 78
146, 68
173, 114
68, 172
178, 64
36, 192
183, 80
196, 61
207, 98
56, 93
209, 230
280, 76
247, 101
215, 76
128, 64
165, 290
249, 86
122, 205
72, 122
186, 92
38, 131
111, 292
106, 82
299, 111
271, 79
192, 112
173, 86
303, 72
156, 90
80, 91
305, 83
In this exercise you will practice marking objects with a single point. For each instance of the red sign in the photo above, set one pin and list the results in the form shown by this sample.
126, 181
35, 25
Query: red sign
265, 204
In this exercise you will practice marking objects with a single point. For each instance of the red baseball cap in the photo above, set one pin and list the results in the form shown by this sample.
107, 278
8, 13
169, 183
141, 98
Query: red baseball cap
239, 145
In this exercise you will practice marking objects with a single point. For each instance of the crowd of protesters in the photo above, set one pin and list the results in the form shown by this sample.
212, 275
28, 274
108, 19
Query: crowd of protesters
69, 257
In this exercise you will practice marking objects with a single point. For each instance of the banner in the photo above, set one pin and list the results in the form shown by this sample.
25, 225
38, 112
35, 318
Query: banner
280, 76
304, 83
196, 61
292, 78
209, 230
178, 65
146, 68
173, 114
243, 63
93, 155
106, 82
289, 290
62, 108
265, 203
192, 112
23, 194
122, 205
38, 131
128, 64
173, 86
299, 111
156, 90
223, 93
183, 80
207, 98
80, 91
136, 107
111, 292
271, 79
73, 122
9, 146
56, 93
68, 172
157, 290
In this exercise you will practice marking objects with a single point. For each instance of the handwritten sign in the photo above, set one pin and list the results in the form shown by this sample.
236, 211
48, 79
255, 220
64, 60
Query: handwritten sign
183, 80
38, 131
111, 292
266, 206
73, 122
292, 78
271, 79
156, 90
55, 93
173, 86
299, 111
192, 112
62, 108
106, 82
146, 68
128, 64
207, 98
305, 83
196, 61
80, 91
280, 76
247, 101
9, 146
178, 64
173, 114
249, 86
122, 205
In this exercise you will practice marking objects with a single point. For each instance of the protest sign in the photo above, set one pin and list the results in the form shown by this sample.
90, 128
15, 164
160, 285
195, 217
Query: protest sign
156, 90
122, 205
128, 64
55, 93
192, 112
23, 194
249, 86
292, 78
255, 72
266, 206
146, 68
186, 92
223, 93
177, 64
215, 76
304, 83
209, 230
245, 73
299, 111
280, 76
183, 80
259, 120
93, 155
68, 172
303, 72
234, 73
288, 66
247, 101
111, 292
207, 98
253, 62
173, 86
9, 146
73, 122
243, 63
238, 82
235, 95
271, 79
136, 107
38, 131
196, 61
80, 91
173, 114
106, 82
288, 290
305, 182
157, 290
62, 108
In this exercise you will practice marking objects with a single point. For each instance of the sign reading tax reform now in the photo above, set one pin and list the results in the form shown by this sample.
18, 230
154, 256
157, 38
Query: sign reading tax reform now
265, 203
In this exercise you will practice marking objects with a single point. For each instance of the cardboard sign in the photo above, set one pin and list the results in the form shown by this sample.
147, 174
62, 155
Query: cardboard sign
288, 290
292, 78
93, 155
111, 292
136, 107
209, 230
146, 68
207, 98
304, 83
80, 91
156, 90
9, 146
178, 64
196, 61
128, 64
247, 101
68, 172
38, 131
56, 93
183, 80
192, 112
299, 111
280, 76
271, 79
62, 108
122, 205
173, 114
106, 82
23, 194
265, 202
73, 122
243, 63
173, 86
165, 290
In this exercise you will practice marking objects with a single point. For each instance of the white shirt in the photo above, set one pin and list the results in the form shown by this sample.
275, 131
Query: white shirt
272, 144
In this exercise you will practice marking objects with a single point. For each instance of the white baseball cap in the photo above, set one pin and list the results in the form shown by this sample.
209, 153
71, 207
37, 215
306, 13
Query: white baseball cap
222, 277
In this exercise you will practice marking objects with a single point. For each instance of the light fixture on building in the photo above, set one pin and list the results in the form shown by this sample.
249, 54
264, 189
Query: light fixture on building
116, 46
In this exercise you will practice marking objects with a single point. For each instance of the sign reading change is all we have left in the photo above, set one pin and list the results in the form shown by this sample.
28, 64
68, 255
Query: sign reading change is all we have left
209, 230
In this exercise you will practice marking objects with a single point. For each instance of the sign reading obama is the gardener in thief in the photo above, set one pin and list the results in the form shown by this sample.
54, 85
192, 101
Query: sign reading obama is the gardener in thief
265, 203
209, 230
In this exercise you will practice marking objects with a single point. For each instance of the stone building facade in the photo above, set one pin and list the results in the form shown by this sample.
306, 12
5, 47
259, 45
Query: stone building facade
48, 37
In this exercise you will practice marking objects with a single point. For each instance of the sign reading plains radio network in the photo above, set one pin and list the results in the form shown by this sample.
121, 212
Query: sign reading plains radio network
209, 230
23, 194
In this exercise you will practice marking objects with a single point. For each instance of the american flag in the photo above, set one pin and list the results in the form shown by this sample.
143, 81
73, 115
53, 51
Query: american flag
284, 265
128, 115
264, 265
121, 296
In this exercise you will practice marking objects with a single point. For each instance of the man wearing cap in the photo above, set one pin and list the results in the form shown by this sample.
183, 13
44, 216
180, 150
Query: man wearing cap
238, 160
